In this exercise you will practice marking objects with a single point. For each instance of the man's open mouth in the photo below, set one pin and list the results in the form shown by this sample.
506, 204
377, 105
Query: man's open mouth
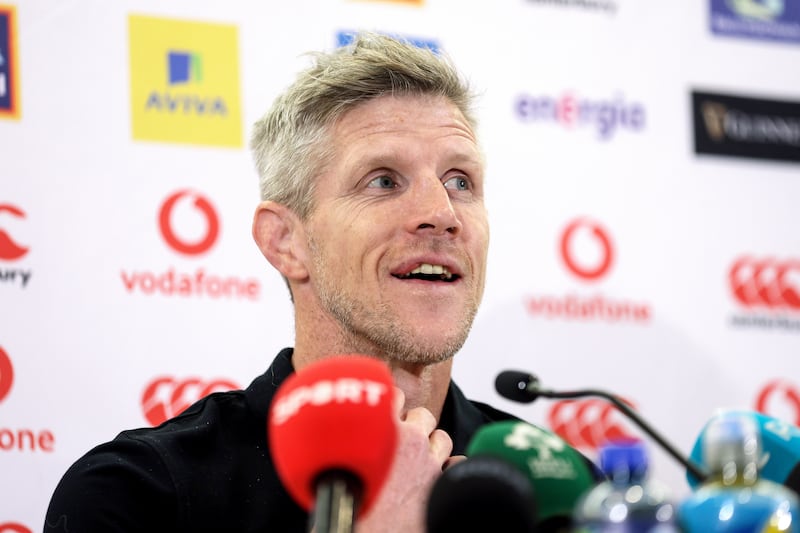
429, 272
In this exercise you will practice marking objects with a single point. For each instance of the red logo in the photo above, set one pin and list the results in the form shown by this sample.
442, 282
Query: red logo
13, 527
166, 397
781, 399
766, 283
181, 245
586, 424
6, 374
9, 250
595, 268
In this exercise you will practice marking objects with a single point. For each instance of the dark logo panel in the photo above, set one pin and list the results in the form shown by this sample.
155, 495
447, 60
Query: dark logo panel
738, 126
9, 73
767, 20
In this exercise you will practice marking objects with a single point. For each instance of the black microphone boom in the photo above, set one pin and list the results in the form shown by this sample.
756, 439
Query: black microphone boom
523, 387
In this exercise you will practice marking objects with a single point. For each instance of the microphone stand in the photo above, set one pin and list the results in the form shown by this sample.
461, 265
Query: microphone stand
639, 421
530, 385
337, 498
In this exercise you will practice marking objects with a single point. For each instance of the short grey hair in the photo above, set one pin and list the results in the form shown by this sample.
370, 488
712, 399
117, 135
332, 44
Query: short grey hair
290, 143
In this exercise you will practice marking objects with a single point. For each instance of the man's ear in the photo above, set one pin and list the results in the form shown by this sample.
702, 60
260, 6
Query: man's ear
280, 236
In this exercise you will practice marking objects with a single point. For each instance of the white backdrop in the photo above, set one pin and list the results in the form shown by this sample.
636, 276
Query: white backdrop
106, 326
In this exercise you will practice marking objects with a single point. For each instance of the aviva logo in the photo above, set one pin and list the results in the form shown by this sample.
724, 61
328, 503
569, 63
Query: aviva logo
184, 67
184, 82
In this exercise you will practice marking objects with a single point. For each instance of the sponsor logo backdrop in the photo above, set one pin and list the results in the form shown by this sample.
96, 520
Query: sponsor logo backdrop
642, 192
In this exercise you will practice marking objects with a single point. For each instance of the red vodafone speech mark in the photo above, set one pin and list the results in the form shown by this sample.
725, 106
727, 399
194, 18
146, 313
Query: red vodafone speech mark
782, 391
175, 242
586, 424
166, 397
9, 250
6, 374
590, 273
764, 283
13, 527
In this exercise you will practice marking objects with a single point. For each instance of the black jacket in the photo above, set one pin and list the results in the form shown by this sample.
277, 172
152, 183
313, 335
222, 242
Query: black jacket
208, 469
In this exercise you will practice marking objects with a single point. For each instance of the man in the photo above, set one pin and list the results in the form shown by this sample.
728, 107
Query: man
372, 186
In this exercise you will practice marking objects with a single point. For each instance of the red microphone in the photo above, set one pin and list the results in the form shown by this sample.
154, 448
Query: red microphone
332, 434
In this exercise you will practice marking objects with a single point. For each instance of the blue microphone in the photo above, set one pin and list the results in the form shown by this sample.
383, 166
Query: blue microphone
780, 455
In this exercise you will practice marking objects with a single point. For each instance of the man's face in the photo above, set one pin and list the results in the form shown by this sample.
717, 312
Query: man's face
399, 233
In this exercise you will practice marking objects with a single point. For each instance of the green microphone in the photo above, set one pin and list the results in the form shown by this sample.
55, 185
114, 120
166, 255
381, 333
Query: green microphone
558, 473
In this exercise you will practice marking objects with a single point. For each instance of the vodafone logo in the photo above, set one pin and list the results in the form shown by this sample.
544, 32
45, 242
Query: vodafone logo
182, 213
13, 527
204, 208
24, 439
166, 397
592, 260
10, 250
586, 249
6, 374
586, 424
766, 283
781, 399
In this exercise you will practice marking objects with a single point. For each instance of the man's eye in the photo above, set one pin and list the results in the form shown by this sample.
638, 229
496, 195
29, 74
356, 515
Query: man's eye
383, 182
459, 183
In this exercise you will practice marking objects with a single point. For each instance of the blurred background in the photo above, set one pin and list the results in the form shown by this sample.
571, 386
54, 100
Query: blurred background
643, 184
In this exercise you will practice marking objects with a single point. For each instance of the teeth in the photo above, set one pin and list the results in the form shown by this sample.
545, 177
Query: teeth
426, 268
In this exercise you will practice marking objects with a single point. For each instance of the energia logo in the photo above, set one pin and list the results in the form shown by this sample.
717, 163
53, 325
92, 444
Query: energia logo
605, 116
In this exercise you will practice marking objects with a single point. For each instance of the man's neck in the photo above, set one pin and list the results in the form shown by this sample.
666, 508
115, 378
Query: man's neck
423, 385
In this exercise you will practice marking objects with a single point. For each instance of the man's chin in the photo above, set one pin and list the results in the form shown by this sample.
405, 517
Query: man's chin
435, 350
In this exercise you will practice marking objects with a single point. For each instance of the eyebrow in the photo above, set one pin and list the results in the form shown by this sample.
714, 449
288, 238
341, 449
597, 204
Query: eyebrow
394, 158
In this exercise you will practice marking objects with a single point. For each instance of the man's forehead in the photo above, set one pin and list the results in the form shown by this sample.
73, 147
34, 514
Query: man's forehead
391, 113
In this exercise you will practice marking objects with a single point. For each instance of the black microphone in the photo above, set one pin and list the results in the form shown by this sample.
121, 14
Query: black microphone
524, 387
481, 494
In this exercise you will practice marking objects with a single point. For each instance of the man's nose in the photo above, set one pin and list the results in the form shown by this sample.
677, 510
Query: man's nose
432, 209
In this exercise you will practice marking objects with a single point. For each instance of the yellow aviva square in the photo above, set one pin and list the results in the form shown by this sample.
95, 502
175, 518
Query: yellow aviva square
184, 81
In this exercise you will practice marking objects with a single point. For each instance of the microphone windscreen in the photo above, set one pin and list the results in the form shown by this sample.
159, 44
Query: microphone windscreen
780, 450
335, 414
558, 473
513, 385
481, 494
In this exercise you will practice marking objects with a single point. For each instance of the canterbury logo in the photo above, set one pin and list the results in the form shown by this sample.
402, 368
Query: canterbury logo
166, 397
586, 424
13, 527
10, 250
766, 283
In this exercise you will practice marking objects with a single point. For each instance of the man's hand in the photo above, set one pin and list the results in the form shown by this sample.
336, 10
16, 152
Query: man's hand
422, 452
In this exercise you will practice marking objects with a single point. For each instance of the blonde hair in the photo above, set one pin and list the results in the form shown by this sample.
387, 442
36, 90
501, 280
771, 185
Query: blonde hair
290, 143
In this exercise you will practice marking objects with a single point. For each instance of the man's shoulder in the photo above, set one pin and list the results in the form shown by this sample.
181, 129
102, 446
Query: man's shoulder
493, 414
